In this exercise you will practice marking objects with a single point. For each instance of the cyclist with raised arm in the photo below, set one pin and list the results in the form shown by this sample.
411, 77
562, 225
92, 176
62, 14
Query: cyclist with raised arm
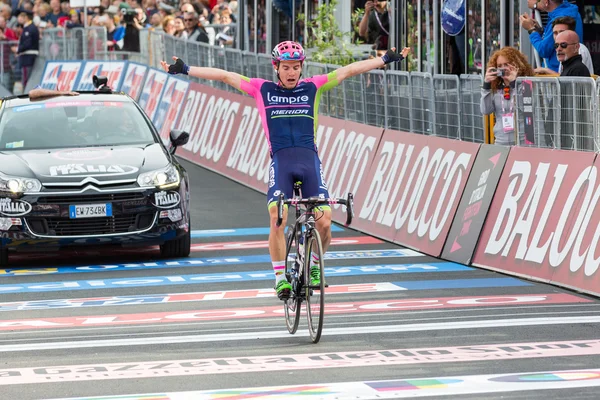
289, 110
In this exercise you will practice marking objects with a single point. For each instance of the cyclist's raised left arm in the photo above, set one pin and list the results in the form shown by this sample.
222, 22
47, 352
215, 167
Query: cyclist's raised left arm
212, 74
360, 67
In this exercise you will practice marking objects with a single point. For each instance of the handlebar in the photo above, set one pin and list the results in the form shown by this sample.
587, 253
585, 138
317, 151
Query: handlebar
316, 201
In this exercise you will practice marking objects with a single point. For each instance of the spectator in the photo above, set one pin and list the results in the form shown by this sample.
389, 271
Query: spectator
75, 21
186, 8
114, 35
141, 19
156, 22
7, 36
544, 44
43, 12
571, 115
195, 32
562, 24
65, 7
150, 8
132, 26
29, 45
498, 92
165, 10
56, 12
180, 28
567, 51
375, 24
6, 12
168, 25
226, 35
233, 6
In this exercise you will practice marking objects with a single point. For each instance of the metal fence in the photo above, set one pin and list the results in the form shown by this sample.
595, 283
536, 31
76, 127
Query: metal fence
440, 105
565, 110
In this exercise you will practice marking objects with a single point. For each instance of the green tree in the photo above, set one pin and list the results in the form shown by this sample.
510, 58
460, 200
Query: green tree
326, 43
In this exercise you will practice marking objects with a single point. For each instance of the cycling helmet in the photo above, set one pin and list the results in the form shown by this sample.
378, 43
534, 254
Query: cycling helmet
287, 51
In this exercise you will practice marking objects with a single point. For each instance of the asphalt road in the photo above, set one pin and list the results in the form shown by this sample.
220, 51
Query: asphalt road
124, 323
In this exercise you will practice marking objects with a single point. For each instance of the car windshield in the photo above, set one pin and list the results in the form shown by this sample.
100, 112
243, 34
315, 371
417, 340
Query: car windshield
73, 124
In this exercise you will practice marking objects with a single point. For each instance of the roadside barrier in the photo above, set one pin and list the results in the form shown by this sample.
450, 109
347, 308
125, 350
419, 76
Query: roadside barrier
525, 211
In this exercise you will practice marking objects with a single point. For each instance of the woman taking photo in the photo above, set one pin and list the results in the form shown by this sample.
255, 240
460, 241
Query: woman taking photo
498, 93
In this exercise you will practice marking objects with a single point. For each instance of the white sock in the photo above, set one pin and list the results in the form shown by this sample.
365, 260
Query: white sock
279, 270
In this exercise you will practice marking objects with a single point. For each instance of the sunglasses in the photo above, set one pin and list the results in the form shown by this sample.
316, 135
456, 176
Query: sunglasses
188, 20
563, 45
290, 56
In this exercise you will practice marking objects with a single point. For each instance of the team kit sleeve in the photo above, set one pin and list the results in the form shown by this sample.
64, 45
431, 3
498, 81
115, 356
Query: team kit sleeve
251, 86
324, 82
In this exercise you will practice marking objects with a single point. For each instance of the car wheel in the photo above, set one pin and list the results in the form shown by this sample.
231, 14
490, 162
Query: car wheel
179, 247
3, 257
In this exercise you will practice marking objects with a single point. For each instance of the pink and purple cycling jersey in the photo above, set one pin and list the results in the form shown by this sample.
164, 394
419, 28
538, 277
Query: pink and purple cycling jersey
289, 116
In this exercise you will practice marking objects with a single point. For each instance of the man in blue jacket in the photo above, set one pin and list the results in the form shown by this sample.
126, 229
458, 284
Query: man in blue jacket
544, 43
29, 45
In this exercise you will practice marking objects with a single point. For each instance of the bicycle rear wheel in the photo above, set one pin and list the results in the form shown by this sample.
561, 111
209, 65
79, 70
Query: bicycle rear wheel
315, 295
291, 306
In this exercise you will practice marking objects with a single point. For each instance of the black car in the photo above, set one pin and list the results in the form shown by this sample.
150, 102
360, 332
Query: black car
87, 170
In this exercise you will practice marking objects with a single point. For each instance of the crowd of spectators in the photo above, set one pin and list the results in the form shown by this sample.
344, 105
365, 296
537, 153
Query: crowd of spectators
23, 23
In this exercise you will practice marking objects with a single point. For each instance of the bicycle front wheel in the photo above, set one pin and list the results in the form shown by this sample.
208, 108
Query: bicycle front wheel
291, 306
315, 294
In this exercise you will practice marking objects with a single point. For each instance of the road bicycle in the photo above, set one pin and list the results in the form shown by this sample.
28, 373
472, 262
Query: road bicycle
303, 236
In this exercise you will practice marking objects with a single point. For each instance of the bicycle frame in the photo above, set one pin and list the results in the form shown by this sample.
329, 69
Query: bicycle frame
307, 242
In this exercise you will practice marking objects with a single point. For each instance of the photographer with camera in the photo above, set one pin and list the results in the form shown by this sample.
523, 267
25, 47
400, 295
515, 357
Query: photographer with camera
498, 93
130, 19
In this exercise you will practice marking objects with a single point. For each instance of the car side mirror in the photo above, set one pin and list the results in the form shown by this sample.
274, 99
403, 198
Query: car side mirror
178, 138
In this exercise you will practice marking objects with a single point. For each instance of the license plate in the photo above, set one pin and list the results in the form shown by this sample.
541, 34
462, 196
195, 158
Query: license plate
90, 210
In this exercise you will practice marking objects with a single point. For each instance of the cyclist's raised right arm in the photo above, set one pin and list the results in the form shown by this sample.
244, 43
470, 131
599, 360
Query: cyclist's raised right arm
213, 74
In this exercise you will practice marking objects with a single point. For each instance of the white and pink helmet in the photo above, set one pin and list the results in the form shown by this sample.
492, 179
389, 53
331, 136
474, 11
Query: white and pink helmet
287, 51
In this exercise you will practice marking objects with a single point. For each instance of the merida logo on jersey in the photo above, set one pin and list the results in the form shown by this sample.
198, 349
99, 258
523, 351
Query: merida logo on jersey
289, 112
286, 99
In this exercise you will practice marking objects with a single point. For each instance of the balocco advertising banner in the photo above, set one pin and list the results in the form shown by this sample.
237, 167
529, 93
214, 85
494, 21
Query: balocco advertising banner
347, 150
544, 221
226, 135
413, 189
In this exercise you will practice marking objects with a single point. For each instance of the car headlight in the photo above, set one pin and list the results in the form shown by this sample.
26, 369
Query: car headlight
165, 178
18, 185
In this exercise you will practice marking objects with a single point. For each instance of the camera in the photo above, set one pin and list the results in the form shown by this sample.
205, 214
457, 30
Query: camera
128, 15
501, 72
